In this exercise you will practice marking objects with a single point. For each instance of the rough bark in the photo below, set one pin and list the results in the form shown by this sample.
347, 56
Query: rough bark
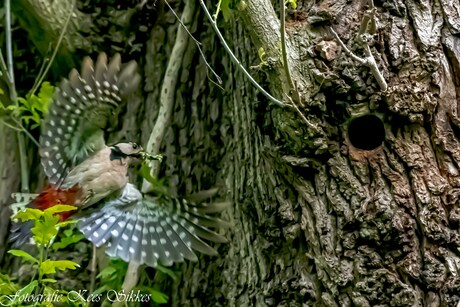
318, 221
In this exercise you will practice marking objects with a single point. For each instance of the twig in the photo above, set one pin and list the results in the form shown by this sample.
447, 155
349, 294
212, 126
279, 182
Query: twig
287, 68
20, 129
53, 56
372, 64
141, 4
217, 11
368, 16
198, 45
40, 72
235, 59
302, 115
93, 269
13, 98
168, 90
9, 45
348, 51
368, 61
9, 126
4, 69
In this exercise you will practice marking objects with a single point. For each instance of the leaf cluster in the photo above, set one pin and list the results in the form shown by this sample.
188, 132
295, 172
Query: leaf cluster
32, 109
46, 223
46, 227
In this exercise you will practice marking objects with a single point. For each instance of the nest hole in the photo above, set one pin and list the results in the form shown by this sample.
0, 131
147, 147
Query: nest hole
366, 132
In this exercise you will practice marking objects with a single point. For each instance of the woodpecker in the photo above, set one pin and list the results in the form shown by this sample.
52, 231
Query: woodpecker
84, 172
80, 168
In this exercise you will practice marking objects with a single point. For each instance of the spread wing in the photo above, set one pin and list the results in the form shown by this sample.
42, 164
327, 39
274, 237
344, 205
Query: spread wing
80, 110
144, 231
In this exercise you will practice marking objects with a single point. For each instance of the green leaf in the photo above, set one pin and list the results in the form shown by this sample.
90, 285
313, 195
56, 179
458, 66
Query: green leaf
29, 288
293, 3
113, 274
68, 232
225, 7
66, 241
146, 174
262, 54
101, 289
108, 271
158, 185
60, 208
11, 107
45, 96
7, 287
50, 266
29, 214
167, 271
32, 109
158, 297
65, 223
45, 230
24, 255
49, 280
22, 101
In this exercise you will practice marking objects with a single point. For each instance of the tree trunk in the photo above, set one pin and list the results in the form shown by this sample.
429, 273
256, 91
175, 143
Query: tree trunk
357, 205
9, 180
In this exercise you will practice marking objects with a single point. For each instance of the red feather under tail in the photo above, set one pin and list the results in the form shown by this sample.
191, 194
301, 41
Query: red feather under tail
49, 197
52, 196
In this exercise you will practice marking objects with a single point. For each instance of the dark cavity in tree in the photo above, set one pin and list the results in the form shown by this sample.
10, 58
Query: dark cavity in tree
366, 132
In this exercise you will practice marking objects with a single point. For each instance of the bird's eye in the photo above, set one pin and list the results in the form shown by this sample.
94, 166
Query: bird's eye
135, 146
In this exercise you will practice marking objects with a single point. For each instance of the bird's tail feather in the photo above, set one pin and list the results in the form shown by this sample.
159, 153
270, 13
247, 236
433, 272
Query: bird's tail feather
21, 233
148, 231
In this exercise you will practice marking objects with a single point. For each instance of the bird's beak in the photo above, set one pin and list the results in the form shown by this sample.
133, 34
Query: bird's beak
138, 155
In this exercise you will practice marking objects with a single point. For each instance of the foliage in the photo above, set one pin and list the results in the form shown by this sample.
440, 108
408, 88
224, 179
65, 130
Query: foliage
45, 230
46, 223
7, 287
151, 285
224, 6
159, 186
293, 3
262, 55
113, 275
70, 236
31, 109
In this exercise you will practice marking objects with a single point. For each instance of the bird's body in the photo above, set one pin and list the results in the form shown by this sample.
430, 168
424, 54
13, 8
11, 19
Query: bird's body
100, 175
97, 177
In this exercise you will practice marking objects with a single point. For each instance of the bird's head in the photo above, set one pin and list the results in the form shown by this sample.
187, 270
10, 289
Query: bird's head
125, 150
